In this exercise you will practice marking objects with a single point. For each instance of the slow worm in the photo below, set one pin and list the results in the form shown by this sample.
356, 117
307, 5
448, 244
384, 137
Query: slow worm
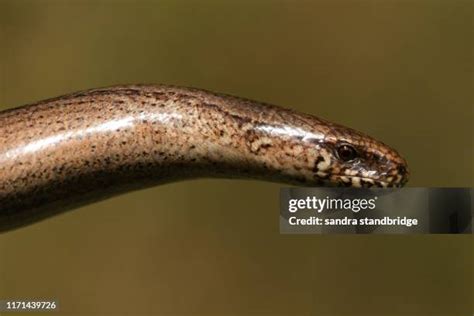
75, 149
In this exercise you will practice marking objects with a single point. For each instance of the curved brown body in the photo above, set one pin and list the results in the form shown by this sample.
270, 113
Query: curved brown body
75, 149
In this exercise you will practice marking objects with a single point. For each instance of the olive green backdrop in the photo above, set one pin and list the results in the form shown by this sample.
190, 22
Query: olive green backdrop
401, 71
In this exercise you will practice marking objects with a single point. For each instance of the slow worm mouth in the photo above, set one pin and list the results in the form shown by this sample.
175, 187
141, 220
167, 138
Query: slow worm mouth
364, 182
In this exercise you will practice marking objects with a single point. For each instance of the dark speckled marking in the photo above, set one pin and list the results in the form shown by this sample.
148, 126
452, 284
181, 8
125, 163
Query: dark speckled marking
75, 149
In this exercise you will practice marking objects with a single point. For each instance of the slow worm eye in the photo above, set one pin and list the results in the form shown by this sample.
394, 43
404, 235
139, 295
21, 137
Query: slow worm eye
346, 152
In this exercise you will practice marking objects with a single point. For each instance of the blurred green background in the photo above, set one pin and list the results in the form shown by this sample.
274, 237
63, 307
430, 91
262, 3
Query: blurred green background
401, 71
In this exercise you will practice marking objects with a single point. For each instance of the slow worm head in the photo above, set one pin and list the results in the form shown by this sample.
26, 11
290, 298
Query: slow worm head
75, 149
